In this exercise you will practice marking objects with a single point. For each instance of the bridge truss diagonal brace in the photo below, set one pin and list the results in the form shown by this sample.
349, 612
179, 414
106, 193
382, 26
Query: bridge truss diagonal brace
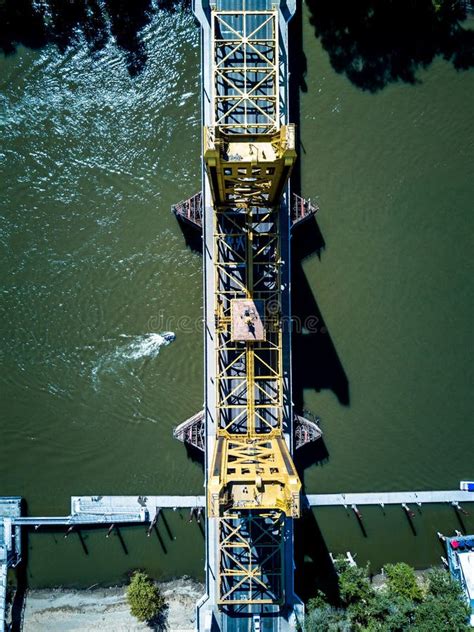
245, 91
251, 558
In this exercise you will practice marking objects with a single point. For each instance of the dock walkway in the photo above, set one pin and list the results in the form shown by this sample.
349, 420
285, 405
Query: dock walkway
97, 510
389, 498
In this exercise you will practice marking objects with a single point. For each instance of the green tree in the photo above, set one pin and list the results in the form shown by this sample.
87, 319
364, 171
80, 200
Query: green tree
444, 608
354, 584
401, 581
357, 595
144, 597
400, 606
327, 619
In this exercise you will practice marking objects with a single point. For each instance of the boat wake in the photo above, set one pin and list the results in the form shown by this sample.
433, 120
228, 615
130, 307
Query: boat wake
145, 346
142, 347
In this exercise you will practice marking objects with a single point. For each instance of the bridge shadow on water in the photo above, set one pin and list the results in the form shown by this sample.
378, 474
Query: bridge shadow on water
35, 25
316, 365
192, 236
315, 362
377, 42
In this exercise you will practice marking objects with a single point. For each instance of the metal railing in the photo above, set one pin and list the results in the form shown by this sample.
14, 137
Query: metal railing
302, 209
190, 209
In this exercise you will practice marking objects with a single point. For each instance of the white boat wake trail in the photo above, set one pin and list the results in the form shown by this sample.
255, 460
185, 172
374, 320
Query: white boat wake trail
142, 347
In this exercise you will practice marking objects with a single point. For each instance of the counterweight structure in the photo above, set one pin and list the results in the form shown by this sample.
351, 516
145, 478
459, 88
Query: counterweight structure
253, 490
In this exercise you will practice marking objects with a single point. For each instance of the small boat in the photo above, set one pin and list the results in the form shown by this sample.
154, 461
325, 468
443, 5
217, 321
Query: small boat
466, 486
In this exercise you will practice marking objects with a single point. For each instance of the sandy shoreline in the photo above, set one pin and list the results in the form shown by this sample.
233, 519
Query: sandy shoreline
62, 610
69, 610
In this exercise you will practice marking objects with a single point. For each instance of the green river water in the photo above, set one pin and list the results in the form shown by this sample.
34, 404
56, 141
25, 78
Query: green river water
94, 268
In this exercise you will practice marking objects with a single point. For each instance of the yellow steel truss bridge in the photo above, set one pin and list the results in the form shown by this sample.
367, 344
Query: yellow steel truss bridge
248, 155
247, 429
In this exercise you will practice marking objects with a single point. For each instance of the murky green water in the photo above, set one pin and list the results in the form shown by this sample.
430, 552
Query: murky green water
94, 267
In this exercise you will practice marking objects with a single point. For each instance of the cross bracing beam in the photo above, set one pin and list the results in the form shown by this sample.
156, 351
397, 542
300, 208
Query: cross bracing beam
245, 71
250, 558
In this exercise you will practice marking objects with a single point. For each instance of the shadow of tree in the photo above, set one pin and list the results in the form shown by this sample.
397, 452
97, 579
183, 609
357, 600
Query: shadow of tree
36, 24
376, 42
160, 622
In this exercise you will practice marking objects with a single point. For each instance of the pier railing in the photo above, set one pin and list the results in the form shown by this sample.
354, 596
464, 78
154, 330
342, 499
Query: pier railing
190, 210
302, 209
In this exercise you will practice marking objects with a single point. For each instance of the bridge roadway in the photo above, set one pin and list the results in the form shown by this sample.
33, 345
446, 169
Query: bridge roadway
215, 109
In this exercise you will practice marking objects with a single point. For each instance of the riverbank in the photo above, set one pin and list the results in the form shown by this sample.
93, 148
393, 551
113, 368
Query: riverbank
67, 610
62, 610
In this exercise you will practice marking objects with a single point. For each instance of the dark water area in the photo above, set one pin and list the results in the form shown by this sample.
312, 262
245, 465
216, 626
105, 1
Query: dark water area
97, 140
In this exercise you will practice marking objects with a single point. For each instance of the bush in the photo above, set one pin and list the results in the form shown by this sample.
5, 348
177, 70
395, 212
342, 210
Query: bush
444, 608
401, 581
327, 619
144, 597
354, 584
399, 606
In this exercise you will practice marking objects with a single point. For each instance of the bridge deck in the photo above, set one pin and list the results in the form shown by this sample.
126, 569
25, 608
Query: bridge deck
244, 79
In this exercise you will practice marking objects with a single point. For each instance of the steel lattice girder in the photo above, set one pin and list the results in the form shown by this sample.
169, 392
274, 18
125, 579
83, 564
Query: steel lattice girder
251, 558
249, 379
245, 70
247, 259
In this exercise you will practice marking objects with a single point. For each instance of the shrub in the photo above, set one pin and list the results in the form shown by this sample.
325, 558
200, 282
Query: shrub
144, 597
354, 585
399, 606
401, 581
444, 608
